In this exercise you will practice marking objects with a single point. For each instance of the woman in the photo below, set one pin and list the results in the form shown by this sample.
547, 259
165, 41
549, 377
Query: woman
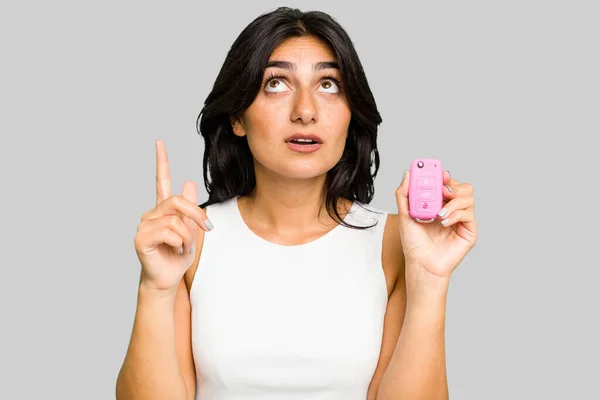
286, 284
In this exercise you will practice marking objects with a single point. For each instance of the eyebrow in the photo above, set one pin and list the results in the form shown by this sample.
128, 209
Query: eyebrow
291, 66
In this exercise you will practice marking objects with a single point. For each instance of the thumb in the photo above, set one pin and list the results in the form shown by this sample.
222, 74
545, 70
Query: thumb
402, 196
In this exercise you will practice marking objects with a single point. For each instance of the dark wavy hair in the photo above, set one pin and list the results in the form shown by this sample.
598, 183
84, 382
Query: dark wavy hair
228, 163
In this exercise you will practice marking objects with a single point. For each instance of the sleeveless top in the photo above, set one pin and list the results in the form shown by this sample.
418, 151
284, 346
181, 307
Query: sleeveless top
288, 322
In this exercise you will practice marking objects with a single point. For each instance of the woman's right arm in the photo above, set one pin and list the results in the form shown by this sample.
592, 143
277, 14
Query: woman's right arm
159, 362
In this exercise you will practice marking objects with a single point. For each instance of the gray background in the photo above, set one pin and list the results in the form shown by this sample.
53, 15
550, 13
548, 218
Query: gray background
506, 93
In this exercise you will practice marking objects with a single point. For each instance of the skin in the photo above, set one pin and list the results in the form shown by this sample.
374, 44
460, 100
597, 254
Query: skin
286, 208
290, 185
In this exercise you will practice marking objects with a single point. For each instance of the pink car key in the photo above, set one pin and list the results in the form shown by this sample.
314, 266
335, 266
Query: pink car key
425, 197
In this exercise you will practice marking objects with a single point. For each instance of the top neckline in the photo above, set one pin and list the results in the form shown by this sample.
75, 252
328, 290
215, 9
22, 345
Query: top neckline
249, 232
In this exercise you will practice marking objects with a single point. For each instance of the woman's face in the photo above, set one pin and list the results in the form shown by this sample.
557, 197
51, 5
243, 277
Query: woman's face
301, 97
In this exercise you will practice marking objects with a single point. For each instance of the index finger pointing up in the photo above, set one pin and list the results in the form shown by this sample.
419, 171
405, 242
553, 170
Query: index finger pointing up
163, 179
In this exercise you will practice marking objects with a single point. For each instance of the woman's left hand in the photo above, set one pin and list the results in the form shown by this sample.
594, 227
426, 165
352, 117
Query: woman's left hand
436, 249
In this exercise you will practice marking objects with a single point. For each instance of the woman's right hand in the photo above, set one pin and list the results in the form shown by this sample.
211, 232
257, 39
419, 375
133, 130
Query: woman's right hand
166, 236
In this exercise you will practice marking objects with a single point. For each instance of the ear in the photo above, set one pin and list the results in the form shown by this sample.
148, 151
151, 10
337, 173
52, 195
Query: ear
238, 127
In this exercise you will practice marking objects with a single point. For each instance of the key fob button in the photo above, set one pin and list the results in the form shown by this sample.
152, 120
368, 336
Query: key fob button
426, 195
423, 205
425, 182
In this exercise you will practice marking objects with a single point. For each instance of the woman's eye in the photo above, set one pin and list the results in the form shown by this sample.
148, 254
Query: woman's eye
330, 84
275, 85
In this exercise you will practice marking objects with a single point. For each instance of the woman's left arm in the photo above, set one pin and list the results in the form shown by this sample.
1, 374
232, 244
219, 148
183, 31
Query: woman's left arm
417, 369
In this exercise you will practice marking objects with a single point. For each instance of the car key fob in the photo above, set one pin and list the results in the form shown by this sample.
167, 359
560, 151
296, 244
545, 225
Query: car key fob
425, 189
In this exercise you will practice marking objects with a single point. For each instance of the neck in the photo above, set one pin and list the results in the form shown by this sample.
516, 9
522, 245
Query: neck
283, 205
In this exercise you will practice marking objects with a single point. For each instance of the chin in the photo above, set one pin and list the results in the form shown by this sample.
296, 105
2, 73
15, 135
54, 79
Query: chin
294, 171
300, 169
304, 174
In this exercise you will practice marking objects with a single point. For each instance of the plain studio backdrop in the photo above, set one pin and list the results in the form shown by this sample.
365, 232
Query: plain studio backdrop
505, 93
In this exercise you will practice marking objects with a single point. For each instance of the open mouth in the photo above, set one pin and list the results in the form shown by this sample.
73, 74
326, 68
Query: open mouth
303, 142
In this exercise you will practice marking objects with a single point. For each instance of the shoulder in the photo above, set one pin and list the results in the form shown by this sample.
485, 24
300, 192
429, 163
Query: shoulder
392, 253
391, 231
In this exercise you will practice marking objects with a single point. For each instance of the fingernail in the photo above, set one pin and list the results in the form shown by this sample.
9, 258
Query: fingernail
449, 176
449, 188
442, 212
192, 249
208, 224
180, 251
444, 221
405, 175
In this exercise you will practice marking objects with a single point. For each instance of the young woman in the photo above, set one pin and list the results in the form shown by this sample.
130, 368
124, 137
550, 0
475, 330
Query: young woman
286, 283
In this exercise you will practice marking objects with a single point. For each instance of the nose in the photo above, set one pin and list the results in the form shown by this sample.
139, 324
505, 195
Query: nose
304, 108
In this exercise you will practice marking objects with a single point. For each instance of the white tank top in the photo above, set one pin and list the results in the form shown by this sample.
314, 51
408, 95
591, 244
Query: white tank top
288, 322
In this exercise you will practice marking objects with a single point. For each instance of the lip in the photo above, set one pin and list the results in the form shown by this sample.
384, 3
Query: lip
303, 148
309, 136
